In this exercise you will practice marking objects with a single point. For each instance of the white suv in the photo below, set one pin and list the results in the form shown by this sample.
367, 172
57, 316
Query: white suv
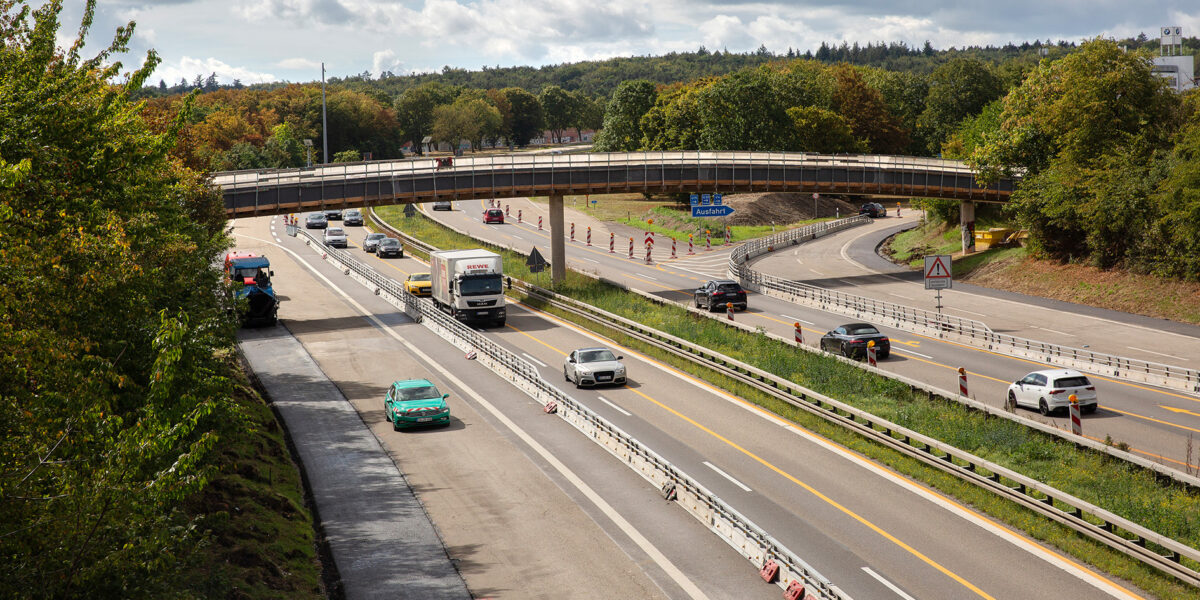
336, 236
1051, 390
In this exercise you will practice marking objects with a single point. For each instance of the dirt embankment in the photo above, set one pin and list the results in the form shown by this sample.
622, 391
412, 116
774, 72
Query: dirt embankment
781, 208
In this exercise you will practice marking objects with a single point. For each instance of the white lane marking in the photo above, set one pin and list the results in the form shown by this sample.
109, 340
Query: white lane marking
797, 319
589, 260
821, 273
899, 296
1158, 353
276, 237
890, 585
902, 352
1052, 330
544, 365
517, 236
625, 526
615, 407
648, 277
726, 476
970, 312
937, 499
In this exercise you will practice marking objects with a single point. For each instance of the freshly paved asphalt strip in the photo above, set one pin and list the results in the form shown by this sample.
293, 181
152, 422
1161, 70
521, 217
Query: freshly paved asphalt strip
381, 539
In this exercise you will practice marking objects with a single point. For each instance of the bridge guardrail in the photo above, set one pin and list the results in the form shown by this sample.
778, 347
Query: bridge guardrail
940, 325
747, 538
1100, 524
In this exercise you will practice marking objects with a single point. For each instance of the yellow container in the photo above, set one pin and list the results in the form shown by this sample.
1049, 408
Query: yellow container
986, 239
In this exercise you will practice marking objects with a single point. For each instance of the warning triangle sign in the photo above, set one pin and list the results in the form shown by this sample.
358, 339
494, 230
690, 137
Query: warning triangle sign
937, 268
536, 262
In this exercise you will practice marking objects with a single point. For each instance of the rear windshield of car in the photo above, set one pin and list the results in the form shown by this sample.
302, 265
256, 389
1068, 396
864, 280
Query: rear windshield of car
376, 236
317, 217
352, 212
729, 287
596, 356
494, 211
418, 393
862, 330
389, 242
1067, 382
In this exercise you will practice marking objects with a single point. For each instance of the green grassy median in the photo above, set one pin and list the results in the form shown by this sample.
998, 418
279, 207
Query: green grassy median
1131, 492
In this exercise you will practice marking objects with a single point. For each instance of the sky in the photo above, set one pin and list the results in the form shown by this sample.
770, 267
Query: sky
287, 40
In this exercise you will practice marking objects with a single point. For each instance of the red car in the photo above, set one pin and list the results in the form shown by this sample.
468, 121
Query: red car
493, 215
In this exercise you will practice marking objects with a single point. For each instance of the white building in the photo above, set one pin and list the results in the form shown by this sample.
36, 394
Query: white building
1172, 65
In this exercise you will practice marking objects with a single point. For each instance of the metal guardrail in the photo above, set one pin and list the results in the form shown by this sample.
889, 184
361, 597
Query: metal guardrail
1119, 533
749, 540
940, 325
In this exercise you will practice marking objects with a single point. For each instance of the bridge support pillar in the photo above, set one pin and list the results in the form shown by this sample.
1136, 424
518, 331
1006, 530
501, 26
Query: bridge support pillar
966, 219
558, 249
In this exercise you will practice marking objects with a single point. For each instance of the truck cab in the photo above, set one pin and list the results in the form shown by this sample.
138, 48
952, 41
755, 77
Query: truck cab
468, 285
251, 276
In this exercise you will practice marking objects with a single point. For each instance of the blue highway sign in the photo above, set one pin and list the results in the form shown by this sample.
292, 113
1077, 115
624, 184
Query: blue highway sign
723, 210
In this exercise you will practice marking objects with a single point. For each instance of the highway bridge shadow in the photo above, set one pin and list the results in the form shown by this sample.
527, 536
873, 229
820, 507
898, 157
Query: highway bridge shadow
322, 325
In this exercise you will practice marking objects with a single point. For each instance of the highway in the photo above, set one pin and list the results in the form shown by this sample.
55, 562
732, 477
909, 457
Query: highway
873, 533
1155, 422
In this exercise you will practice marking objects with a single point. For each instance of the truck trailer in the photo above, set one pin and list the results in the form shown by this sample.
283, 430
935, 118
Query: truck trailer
467, 285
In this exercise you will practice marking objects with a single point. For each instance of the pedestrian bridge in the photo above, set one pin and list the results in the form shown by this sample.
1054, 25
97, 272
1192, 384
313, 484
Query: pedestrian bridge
347, 185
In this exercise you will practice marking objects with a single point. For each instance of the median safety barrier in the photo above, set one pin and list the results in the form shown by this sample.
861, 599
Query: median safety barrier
747, 538
936, 324
1117, 532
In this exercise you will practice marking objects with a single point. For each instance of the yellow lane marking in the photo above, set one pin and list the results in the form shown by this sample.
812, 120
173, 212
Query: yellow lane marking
506, 324
1160, 421
1179, 410
789, 476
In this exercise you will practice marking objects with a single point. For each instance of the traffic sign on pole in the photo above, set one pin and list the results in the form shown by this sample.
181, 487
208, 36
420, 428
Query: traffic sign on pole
723, 210
938, 273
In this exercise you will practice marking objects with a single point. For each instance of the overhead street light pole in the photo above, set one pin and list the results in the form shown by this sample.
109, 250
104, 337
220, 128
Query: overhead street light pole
324, 123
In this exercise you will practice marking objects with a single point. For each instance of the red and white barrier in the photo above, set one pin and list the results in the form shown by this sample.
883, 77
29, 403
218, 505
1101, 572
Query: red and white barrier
799, 334
729, 310
769, 571
518, 215
1076, 424
962, 381
539, 222
630, 247
589, 236
572, 232
691, 249
707, 240
795, 590
728, 234
871, 354
507, 210
648, 248
672, 247
612, 243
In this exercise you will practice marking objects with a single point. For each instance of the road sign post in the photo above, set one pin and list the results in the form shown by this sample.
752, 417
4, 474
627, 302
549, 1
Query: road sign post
938, 275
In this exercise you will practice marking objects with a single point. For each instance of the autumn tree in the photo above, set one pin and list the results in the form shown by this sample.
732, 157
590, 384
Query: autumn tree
414, 110
622, 130
865, 111
114, 379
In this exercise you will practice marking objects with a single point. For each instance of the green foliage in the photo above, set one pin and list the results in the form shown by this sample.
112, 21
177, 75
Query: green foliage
820, 130
525, 116
958, 90
622, 130
559, 108
864, 109
743, 112
414, 110
346, 156
114, 394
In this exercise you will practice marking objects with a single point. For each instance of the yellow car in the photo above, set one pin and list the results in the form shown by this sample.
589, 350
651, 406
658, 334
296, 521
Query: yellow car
417, 284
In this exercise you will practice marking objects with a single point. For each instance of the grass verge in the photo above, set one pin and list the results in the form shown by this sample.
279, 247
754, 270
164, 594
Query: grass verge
261, 538
1121, 488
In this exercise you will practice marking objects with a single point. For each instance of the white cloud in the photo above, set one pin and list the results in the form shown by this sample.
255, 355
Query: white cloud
299, 64
385, 60
188, 68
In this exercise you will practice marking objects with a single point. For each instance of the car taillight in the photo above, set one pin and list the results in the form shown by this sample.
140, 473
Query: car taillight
1090, 388
1052, 392
883, 340
715, 294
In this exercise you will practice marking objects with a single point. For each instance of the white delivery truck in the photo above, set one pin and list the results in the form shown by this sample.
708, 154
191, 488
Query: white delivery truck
467, 284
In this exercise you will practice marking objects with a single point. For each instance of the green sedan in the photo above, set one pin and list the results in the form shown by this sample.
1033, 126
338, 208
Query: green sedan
414, 403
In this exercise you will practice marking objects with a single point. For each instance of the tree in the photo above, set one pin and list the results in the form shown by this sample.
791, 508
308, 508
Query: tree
114, 378
820, 130
526, 116
622, 129
865, 111
958, 89
589, 114
345, 156
559, 109
742, 112
414, 110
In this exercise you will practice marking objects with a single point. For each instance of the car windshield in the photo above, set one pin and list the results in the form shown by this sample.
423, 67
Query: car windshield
861, 330
389, 242
420, 277
332, 231
729, 287
587, 356
1070, 382
480, 286
316, 217
424, 392
352, 213
375, 236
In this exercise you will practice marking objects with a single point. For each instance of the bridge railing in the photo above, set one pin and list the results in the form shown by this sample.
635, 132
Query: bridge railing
425, 179
937, 324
